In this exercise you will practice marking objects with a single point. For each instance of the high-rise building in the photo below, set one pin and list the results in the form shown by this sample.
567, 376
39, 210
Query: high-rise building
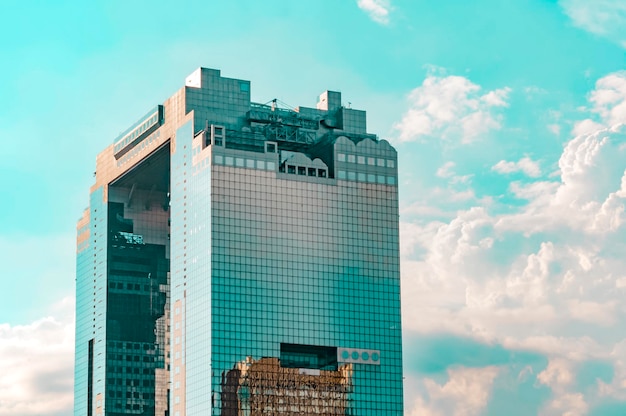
240, 259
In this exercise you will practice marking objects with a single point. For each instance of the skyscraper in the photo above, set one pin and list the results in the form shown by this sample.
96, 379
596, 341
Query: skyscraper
240, 259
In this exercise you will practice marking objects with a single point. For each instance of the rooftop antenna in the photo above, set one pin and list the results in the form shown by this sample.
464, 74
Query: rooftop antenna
276, 103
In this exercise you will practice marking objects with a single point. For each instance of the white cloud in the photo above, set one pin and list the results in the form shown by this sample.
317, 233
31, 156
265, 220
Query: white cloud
605, 18
593, 312
617, 387
571, 349
586, 126
608, 104
451, 107
453, 275
466, 393
609, 97
446, 170
412, 236
545, 275
526, 165
378, 10
590, 195
496, 98
538, 192
36, 363
566, 404
559, 376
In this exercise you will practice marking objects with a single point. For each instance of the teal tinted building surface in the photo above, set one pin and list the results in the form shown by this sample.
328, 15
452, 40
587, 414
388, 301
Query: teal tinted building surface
240, 259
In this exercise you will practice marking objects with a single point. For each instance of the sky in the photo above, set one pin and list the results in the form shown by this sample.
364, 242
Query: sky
508, 121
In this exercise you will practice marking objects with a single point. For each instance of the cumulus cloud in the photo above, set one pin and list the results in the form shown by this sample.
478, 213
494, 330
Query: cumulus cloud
36, 363
559, 376
586, 126
538, 192
605, 18
608, 104
566, 404
609, 97
458, 264
599, 313
451, 107
466, 393
591, 191
474, 276
526, 165
570, 348
378, 10
616, 389
545, 275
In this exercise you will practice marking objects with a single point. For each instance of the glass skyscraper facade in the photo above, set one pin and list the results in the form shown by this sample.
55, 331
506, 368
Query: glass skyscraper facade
240, 259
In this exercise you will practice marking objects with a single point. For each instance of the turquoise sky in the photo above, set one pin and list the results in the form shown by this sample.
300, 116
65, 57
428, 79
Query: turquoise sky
506, 116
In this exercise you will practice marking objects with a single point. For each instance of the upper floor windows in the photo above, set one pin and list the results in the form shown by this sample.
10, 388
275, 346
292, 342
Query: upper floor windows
363, 160
241, 162
303, 170
366, 177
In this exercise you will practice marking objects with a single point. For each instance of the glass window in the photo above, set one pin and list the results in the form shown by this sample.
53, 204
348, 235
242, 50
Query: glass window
250, 163
270, 147
341, 174
381, 162
308, 356
229, 160
351, 158
360, 160
391, 180
352, 176
301, 170
391, 163
239, 162
311, 171
361, 176
371, 178
371, 161
380, 179
270, 166
341, 157
260, 164
219, 159
291, 169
